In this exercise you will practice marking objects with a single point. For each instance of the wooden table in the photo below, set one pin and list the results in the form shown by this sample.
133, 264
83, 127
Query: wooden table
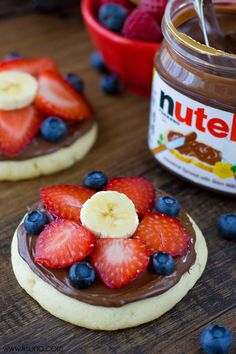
121, 149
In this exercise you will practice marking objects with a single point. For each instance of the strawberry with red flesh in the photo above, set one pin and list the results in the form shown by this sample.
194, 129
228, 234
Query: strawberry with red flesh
56, 97
163, 233
17, 129
138, 189
65, 201
62, 243
119, 261
33, 66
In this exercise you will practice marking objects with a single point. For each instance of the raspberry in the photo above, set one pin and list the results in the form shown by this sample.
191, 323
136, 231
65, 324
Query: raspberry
155, 7
142, 26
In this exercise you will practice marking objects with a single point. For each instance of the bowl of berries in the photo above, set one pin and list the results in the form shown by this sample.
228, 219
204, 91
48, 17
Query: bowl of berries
127, 35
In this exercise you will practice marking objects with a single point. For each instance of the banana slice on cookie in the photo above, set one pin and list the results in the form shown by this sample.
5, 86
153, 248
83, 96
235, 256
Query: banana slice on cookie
109, 214
17, 89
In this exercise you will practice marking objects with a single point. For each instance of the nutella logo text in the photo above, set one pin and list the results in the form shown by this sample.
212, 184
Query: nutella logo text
216, 126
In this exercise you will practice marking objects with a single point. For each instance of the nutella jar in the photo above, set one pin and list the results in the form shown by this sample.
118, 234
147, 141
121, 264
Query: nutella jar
192, 129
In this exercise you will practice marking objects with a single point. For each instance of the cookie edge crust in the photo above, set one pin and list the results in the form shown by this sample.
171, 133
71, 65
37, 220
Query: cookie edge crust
107, 318
49, 163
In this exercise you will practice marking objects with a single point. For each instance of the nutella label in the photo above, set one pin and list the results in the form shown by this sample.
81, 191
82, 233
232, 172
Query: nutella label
192, 139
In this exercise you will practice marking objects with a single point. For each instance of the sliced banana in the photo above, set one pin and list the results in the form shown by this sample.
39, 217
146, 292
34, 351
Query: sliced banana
109, 214
17, 89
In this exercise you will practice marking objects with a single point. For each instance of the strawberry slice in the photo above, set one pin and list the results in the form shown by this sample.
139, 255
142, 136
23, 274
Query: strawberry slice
57, 97
65, 201
33, 66
118, 261
138, 189
163, 233
62, 243
17, 129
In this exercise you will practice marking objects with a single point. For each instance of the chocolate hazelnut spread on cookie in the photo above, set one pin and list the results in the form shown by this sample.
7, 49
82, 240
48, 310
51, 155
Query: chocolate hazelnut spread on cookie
194, 92
145, 286
41, 112
40, 146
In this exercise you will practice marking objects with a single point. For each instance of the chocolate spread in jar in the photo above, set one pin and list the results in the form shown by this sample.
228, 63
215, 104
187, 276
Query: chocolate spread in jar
227, 22
194, 92
147, 285
40, 146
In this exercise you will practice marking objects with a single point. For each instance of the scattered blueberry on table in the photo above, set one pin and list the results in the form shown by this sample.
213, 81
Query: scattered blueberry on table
168, 205
53, 129
48, 6
163, 263
216, 339
81, 275
75, 81
35, 221
110, 84
97, 62
227, 226
96, 180
13, 55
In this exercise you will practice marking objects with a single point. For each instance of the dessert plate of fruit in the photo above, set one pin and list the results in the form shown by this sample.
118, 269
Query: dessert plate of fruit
46, 124
109, 254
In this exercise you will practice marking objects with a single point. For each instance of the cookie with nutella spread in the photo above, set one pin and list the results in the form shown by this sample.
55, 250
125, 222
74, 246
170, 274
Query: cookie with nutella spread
45, 124
107, 259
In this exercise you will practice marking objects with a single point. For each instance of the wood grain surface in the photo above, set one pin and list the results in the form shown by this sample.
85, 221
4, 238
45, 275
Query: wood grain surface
121, 149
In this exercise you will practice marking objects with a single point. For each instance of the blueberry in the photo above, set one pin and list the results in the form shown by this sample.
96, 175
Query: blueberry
53, 129
75, 81
112, 16
110, 84
97, 62
168, 205
13, 55
46, 5
35, 221
96, 180
216, 339
163, 263
227, 226
81, 275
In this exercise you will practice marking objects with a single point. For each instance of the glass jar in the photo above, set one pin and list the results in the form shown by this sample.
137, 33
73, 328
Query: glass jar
192, 129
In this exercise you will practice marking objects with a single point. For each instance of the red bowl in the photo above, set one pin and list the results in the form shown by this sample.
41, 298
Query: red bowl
131, 60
